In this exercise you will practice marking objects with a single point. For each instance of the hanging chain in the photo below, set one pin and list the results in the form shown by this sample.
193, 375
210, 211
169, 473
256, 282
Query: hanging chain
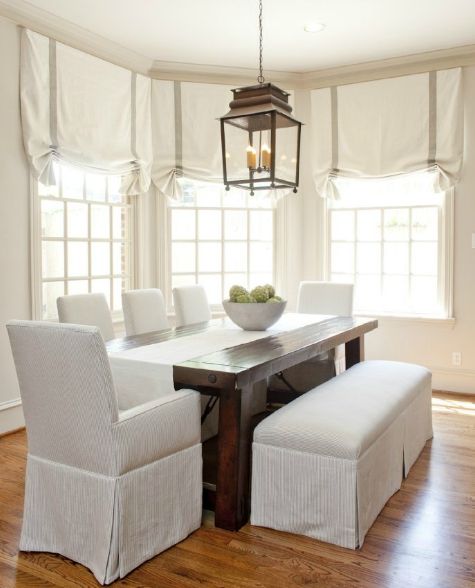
260, 77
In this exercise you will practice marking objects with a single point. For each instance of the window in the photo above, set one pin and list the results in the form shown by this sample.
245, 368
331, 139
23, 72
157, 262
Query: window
391, 238
220, 238
85, 231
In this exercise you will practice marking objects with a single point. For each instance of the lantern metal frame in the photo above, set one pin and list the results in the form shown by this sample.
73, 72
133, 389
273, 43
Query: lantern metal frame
261, 107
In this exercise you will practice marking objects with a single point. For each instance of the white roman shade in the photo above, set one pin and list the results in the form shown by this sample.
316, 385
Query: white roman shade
186, 135
84, 111
389, 127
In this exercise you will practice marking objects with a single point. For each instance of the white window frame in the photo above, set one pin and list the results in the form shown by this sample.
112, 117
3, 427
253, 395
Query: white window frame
445, 257
36, 237
248, 210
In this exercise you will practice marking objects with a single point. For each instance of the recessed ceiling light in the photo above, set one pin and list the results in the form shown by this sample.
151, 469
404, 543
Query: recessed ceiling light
314, 27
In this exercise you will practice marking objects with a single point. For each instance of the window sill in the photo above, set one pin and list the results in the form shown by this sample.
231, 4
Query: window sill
413, 320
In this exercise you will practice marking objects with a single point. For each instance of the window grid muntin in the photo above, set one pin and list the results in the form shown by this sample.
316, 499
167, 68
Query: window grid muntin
223, 241
125, 240
410, 240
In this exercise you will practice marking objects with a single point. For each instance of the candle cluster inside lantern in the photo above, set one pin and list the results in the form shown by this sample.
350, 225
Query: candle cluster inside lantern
260, 140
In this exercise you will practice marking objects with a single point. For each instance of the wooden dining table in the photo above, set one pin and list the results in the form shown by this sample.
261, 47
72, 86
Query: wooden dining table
230, 374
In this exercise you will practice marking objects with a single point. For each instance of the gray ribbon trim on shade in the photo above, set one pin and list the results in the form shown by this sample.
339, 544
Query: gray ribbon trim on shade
133, 115
432, 117
178, 129
334, 122
53, 96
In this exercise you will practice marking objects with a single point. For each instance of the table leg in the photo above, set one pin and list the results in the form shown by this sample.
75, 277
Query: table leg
234, 447
354, 351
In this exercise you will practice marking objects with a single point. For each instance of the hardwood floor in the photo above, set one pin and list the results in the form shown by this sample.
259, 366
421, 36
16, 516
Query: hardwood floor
424, 537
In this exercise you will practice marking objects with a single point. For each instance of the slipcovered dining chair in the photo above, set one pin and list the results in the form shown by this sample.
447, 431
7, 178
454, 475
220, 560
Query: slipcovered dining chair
86, 309
316, 298
107, 488
191, 305
144, 311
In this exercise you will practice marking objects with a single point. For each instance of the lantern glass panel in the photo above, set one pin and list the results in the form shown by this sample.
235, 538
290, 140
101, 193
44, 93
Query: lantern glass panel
236, 144
286, 147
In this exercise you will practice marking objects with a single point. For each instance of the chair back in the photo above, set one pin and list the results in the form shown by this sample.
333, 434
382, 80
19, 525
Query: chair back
144, 311
67, 393
191, 305
86, 309
325, 298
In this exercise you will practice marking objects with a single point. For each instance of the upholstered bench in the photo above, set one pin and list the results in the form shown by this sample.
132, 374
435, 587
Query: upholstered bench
325, 464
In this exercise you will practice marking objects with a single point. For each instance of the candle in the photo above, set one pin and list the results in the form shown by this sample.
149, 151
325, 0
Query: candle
265, 155
251, 157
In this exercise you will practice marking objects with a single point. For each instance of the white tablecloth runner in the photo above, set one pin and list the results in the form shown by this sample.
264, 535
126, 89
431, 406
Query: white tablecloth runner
143, 373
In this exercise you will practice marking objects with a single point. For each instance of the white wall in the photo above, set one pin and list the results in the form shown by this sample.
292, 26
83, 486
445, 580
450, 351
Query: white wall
14, 220
428, 343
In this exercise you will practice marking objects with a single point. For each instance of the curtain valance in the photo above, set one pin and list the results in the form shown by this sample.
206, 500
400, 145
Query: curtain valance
84, 111
186, 134
389, 127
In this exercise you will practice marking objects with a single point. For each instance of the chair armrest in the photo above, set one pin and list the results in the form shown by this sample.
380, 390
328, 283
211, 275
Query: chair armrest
138, 382
157, 429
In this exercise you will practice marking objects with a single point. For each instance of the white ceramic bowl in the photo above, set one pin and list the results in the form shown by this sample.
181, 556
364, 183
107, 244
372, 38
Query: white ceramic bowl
254, 316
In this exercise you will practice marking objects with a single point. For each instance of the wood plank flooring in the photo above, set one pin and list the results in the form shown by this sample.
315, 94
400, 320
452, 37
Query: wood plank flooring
425, 536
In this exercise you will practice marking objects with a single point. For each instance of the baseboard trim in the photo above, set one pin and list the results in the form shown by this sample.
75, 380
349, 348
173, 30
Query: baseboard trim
453, 380
11, 416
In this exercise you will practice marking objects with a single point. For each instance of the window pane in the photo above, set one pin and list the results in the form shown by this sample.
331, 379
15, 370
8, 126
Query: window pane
367, 291
369, 225
102, 286
235, 257
424, 259
117, 287
77, 259
342, 258
209, 196
183, 257
96, 187
52, 259
51, 291
209, 224
395, 292
72, 182
183, 280
424, 293
235, 198
342, 278
100, 259
212, 284
183, 224
396, 258
52, 218
396, 224
261, 225
114, 183
425, 224
342, 225
209, 257
235, 224
119, 257
77, 220
259, 279
100, 222
260, 257
78, 287
368, 258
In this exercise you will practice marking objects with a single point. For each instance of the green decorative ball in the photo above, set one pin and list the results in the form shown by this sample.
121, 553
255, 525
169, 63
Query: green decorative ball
270, 290
274, 299
260, 293
235, 292
244, 298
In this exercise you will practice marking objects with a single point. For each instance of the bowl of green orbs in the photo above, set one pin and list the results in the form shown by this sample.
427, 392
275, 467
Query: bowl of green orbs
254, 310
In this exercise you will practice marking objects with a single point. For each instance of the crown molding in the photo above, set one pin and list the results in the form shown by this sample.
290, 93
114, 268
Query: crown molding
390, 68
216, 74
27, 15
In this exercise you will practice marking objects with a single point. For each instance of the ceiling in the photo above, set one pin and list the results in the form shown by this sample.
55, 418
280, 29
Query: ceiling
225, 33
